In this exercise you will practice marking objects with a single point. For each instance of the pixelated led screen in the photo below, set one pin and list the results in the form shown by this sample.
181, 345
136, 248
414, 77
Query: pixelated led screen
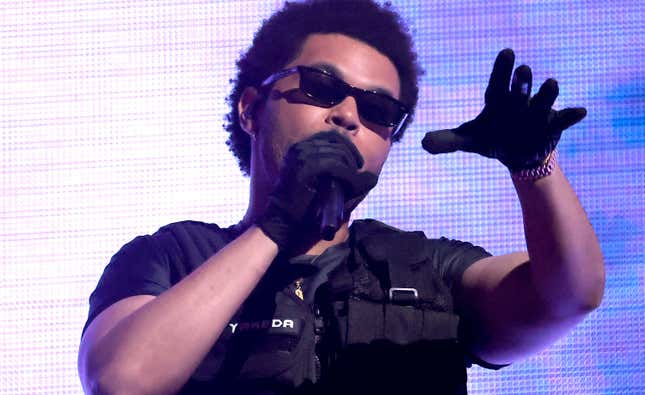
111, 116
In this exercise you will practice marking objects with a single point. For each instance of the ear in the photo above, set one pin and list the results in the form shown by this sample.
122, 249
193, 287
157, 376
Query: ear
245, 110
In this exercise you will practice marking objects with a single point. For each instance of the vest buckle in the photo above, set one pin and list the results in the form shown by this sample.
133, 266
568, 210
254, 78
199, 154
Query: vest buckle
403, 295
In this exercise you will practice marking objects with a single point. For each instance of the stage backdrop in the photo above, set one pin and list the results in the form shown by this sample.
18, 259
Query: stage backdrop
111, 115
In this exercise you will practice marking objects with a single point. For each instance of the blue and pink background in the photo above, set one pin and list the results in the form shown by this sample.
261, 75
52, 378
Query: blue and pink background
111, 116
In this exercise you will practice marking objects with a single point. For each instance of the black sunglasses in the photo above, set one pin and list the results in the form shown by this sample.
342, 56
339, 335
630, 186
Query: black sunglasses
327, 90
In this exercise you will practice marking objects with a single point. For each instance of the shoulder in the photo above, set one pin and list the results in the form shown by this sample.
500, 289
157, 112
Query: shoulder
194, 228
191, 242
450, 257
169, 254
177, 236
195, 231
370, 227
150, 264
362, 228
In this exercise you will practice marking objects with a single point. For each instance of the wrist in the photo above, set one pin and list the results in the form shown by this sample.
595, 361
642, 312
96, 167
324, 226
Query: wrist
535, 173
276, 227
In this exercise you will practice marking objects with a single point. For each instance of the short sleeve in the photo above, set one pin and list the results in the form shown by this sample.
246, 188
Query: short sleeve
453, 257
138, 268
151, 264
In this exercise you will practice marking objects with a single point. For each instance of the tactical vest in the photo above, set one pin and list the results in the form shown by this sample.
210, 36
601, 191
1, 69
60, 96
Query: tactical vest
382, 322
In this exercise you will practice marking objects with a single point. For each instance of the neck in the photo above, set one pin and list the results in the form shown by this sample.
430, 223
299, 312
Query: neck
321, 245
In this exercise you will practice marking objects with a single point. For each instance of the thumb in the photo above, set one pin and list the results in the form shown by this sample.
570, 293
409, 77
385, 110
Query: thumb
563, 119
443, 141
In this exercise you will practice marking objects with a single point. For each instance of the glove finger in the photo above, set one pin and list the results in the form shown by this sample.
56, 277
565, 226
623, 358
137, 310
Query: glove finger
313, 143
331, 164
521, 85
311, 169
500, 77
443, 141
340, 154
357, 184
363, 183
566, 118
351, 149
329, 142
337, 140
542, 102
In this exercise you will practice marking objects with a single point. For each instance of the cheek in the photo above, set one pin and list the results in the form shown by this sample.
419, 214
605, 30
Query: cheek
284, 125
293, 120
269, 141
375, 151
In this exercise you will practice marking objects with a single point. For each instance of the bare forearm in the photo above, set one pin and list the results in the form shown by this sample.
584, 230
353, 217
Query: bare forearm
158, 346
566, 262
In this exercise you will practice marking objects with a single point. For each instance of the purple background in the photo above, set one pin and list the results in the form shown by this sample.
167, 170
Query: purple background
111, 117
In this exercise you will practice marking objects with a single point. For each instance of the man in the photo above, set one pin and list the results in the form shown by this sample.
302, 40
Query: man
270, 306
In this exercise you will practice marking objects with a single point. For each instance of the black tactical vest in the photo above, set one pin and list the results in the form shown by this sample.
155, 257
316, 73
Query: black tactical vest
378, 321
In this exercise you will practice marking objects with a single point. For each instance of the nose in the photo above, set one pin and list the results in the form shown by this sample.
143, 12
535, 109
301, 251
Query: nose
344, 115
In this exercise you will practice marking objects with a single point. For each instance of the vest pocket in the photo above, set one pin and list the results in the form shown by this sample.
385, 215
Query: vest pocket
368, 321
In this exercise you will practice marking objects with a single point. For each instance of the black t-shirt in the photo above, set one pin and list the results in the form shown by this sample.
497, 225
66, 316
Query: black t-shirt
151, 264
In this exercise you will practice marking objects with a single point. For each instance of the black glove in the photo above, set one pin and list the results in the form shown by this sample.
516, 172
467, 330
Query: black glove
291, 207
518, 130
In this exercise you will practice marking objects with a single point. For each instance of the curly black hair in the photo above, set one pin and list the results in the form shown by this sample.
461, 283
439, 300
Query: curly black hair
280, 39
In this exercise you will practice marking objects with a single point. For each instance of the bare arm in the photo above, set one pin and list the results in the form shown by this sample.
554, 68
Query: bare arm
525, 302
151, 345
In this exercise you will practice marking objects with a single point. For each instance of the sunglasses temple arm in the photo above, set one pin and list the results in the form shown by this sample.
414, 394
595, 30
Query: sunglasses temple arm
400, 125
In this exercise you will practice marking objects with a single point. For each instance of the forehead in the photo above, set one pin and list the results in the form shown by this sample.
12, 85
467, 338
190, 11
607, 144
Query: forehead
356, 62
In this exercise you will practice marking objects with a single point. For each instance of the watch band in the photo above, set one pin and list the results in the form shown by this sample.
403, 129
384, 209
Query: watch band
536, 173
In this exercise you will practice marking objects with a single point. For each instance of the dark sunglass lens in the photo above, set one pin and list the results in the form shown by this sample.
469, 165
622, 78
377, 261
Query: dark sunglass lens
322, 87
378, 109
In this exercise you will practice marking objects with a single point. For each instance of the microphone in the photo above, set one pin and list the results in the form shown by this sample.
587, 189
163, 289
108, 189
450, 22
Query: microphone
443, 141
331, 206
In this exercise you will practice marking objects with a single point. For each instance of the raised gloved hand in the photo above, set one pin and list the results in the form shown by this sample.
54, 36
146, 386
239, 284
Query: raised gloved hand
291, 205
518, 130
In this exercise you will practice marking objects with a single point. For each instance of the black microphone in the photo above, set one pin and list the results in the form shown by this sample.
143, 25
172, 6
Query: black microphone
331, 206
442, 141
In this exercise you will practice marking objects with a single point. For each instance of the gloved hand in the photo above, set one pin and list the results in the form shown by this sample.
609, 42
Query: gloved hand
291, 205
518, 130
